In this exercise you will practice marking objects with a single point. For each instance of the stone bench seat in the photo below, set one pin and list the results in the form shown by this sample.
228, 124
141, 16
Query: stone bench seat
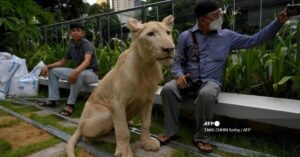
270, 110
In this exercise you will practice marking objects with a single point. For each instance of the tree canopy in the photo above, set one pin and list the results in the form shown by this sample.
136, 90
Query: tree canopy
19, 22
64, 10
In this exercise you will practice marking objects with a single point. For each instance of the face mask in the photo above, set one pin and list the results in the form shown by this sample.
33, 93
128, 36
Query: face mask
216, 24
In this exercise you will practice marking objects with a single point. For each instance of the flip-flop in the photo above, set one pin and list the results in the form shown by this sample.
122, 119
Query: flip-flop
67, 112
48, 103
163, 139
204, 146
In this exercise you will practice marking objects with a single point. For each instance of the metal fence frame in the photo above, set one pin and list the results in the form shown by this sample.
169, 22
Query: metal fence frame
102, 31
58, 32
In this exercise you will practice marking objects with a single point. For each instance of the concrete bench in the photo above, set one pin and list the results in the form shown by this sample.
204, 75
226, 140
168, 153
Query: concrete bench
277, 111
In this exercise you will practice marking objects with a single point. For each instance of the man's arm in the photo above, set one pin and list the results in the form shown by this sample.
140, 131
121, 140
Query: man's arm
59, 63
245, 41
86, 62
176, 66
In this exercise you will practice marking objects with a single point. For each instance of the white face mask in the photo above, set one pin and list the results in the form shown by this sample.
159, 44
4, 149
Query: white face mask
216, 24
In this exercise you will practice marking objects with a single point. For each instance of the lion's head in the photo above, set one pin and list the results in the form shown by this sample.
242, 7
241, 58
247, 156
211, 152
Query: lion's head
153, 39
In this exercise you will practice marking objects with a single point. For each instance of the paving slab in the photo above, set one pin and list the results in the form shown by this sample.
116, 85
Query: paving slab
67, 124
43, 113
53, 151
164, 151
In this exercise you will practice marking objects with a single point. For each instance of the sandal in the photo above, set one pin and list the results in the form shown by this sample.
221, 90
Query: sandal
48, 103
68, 110
164, 139
204, 147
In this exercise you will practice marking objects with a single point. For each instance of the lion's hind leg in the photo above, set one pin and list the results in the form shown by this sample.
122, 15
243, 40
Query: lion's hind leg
98, 122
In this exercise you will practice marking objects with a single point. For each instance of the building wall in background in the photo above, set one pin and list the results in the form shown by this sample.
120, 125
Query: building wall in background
102, 1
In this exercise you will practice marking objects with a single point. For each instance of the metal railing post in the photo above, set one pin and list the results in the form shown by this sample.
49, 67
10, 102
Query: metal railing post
143, 14
108, 29
100, 31
52, 33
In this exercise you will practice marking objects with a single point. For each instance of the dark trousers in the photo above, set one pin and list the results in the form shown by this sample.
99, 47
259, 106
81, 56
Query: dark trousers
173, 98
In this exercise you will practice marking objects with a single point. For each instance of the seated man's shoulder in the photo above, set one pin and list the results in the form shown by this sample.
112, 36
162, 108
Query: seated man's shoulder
185, 33
86, 41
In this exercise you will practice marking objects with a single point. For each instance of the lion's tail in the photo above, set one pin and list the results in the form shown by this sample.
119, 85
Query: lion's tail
72, 142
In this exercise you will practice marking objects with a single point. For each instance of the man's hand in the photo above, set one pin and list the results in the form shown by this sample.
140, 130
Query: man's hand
282, 16
181, 81
73, 77
44, 71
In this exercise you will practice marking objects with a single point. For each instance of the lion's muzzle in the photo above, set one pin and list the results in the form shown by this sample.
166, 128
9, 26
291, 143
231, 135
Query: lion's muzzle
168, 50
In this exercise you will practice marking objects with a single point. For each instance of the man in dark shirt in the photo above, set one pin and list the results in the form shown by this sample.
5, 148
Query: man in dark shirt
82, 52
198, 68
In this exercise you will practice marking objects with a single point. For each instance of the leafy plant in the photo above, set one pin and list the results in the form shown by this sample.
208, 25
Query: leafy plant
43, 53
296, 78
271, 70
108, 55
19, 22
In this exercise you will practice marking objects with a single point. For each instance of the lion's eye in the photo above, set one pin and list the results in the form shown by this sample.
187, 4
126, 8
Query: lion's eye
151, 34
168, 32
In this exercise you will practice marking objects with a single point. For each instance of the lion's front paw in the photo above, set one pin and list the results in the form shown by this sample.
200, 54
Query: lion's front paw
125, 152
151, 144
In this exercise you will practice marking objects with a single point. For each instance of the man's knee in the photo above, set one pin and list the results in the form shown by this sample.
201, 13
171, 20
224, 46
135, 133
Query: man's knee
208, 95
51, 72
54, 71
168, 88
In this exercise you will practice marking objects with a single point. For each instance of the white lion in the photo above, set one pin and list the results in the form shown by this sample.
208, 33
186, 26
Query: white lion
129, 88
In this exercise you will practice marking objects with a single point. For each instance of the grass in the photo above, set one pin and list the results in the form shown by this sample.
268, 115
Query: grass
108, 147
180, 153
19, 108
28, 149
79, 107
266, 142
52, 121
266, 139
43, 92
9, 123
45, 120
2, 113
4, 146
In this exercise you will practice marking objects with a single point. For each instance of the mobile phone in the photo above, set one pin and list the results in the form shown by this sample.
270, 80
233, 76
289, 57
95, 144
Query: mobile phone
293, 10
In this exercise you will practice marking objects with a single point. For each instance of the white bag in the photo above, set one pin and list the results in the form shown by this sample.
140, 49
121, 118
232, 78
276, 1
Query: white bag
4, 89
8, 66
22, 70
26, 85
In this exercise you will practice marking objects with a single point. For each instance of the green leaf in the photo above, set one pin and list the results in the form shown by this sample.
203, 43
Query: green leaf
8, 24
14, 19
284, 80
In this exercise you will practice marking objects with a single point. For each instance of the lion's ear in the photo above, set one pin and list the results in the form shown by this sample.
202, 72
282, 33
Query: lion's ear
168, 21
134, 25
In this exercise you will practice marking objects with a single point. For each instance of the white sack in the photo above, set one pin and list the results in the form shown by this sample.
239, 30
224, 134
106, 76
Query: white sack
26, 85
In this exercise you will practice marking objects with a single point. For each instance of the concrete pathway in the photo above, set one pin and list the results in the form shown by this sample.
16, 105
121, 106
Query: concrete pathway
53, 151
59, 149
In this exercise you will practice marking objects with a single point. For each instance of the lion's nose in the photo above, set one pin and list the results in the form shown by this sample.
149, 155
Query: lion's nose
168, 50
